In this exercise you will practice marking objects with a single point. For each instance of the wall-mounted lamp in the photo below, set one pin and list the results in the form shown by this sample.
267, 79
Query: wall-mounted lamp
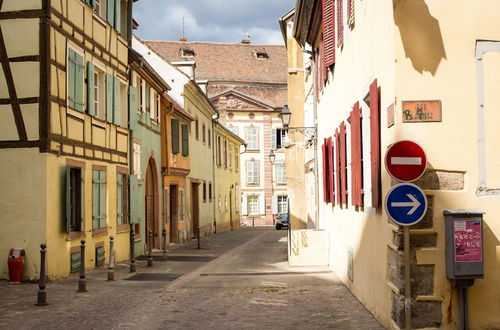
286, 116
272, 157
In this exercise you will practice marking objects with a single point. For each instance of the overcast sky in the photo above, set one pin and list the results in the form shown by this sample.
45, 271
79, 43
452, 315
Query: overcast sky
211, 20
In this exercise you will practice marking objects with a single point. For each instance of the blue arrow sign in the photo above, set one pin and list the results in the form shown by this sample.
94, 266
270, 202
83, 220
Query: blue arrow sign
406, 204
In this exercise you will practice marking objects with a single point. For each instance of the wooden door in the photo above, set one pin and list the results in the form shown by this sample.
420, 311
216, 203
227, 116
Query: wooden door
174, 212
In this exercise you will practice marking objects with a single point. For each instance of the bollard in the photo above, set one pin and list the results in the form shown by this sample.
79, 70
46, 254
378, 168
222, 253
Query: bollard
164, 235
253, 222
150, 249
199, 245
132, 251
111, 266
42, 294
82, 284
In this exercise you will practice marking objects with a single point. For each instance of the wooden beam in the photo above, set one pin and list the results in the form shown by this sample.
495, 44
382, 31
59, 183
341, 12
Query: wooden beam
16, 107
33, 58
26, 100
32, 13
19, 144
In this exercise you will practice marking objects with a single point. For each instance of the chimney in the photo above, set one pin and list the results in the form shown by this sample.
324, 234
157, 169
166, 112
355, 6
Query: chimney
245, 41
188, 67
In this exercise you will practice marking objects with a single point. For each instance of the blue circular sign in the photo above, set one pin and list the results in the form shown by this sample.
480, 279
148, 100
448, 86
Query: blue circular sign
405, 204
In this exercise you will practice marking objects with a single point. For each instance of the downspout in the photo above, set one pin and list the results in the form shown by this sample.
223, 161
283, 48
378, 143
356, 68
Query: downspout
315, 142
214, 122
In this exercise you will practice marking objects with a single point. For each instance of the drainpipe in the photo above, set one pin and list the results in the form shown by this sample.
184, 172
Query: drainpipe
315, 142
214, 123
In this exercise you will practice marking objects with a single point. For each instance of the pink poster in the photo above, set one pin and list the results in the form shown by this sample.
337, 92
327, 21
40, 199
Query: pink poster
468, 243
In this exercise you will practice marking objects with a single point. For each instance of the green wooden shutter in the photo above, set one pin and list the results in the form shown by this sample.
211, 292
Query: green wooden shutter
175, 136
90, 89
181, 207
71, 78
119, 197
75, 261
132, 99
102, 199
79, 79
111, 12
185, 141
67, 224
117, 16
109, 97
116, 101
95, 199
92, 3
99, 256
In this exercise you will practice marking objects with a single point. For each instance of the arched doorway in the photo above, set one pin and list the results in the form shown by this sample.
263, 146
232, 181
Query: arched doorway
151, 204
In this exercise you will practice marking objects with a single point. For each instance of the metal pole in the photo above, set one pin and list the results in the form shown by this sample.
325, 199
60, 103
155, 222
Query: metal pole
42, 294
164, 235
407, 278
150, 249
199, 245
82, 284
463, 318
253, 222
132, 251
111, 266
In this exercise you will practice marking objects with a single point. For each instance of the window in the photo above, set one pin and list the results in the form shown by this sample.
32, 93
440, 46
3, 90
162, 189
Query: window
174, 123
75, 80
280, 173
147, 97
253, 172
225, 153
122, 199
253, 205
99, 199
181, 205
282, 204
230, 149
203, 133
142, 104
187, 53
100, 7
204, 192
209, 138
185, 140
136, 163
236, 158
210, 191
74, 199
219, 160
278, 138
196, 130
252, 140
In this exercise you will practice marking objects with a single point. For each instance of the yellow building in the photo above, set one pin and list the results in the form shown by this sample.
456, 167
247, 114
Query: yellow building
227, 178
63, 134
383, 71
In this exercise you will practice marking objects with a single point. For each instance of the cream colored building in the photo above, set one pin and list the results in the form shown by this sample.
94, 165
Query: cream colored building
367, 58
64, 141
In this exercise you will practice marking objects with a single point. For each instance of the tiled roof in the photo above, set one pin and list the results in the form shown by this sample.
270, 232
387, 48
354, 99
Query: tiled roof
228, 61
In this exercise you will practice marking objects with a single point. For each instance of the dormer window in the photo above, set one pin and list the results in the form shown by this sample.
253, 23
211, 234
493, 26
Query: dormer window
187, 53
260, 54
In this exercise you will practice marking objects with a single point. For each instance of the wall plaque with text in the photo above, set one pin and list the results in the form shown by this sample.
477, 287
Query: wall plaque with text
421, 111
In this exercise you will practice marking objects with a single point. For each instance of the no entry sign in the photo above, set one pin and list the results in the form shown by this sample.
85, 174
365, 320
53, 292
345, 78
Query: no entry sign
405, 161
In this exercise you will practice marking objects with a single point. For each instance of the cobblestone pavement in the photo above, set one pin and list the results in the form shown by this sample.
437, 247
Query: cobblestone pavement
238, 280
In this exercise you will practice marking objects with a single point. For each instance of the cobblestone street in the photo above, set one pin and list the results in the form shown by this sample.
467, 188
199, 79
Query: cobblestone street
238, 280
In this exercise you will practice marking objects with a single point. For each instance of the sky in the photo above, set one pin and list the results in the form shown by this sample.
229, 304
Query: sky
211, 20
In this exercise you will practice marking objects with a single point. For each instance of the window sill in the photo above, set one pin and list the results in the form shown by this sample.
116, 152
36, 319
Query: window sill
75, 235
125, 228
99, 232
253, 150
253, 184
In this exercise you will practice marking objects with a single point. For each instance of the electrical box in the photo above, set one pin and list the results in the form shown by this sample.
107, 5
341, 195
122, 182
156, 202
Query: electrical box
464, 244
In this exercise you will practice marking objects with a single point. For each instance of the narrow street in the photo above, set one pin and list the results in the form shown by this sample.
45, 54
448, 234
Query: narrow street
238, 280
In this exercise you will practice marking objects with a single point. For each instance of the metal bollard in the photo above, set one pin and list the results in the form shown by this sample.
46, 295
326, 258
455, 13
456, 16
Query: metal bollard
132, 250
111, 266
82, 283
164, 235
199, 243
42, 294
150, 249
253, 222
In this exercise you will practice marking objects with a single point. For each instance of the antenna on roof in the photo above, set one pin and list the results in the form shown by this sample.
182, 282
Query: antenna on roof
183, 38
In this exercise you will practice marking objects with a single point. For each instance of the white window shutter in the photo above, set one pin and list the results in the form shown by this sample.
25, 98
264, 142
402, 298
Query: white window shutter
244, 205
273, 138
152, 102
262, 204
275, 204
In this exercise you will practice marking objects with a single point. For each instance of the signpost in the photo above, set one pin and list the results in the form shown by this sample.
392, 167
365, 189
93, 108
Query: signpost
405, 161
406, 204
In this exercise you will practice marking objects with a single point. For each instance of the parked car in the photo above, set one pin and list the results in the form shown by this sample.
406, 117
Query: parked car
282, 221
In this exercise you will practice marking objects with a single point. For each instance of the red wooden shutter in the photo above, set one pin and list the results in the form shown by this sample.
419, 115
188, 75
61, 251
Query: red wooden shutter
329, 31
375, 144
343, 164
340, 23
350, 12
356, 156
322, 68
331, 183
325, 173
316, 74
337, 165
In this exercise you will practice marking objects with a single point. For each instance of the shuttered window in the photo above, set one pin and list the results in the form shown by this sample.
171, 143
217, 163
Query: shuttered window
329, 31
343, 164
122, 199
375, 144
99, 199
185, 140
281, 173
75, 80
356, 157
112, 99
252, 135
340, 22
326, 190
252, 172
74, 199
331, 181
174, 123
92, 90
181, 205
99, 256
253, 205
338, 178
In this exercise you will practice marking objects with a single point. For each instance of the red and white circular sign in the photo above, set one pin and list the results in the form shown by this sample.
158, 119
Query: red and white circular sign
405, 161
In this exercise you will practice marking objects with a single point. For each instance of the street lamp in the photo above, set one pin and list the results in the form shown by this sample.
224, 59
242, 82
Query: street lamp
286, 115
272, 157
